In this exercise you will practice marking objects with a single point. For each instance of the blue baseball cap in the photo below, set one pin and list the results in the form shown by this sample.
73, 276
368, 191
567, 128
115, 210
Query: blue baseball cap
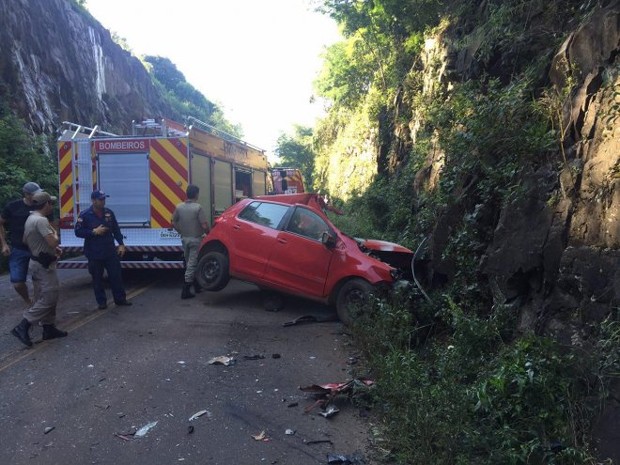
31, 188
98, 195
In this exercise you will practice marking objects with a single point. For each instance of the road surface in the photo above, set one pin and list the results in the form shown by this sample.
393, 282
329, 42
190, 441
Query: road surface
87, 398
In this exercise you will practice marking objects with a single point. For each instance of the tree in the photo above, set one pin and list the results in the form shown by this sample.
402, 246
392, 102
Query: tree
296, 151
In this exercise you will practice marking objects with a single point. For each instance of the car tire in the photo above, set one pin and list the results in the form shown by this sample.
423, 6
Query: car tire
212, 272
351, 299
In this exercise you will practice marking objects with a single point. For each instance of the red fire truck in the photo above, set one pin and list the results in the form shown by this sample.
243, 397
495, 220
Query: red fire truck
146, 175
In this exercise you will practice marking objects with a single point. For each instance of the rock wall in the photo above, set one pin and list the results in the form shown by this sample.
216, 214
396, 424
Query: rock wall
558, 251
57, 63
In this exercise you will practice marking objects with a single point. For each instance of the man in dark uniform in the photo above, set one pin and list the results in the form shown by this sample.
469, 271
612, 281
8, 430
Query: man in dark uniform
14, 215
98, 226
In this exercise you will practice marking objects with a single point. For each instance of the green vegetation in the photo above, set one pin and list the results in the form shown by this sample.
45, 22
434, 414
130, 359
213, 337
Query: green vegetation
184, 98
409, 157
23, 157
296, 151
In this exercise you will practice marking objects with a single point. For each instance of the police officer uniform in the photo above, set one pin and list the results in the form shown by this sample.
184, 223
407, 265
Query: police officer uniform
100, 250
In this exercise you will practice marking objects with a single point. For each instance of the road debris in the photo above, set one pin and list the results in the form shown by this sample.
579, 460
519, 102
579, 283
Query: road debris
329, 412
289, 432
253, 357
329, 391
310, 319
122, 436
262, 436
222, 360
48, 429
190, 429
199, 414
318, 441
333, 459
145, 429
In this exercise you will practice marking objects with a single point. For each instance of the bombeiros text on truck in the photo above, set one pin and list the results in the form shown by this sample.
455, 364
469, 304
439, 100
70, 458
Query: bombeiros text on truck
146, 174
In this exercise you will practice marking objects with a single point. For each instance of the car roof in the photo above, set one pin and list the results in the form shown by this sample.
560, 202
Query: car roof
305, 198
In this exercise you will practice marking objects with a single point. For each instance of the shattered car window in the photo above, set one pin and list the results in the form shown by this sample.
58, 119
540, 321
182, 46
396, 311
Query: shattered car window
266, 214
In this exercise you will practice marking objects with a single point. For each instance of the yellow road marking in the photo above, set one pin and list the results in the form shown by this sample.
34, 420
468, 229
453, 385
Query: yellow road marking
9, 360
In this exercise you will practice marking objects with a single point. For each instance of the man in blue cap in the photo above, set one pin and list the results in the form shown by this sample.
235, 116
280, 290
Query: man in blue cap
14, 215
99, 228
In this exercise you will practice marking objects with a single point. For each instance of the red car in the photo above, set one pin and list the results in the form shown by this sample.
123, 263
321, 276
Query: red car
288, 244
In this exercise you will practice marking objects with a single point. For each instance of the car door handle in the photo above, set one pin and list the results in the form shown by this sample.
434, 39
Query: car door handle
237, 227
282, 241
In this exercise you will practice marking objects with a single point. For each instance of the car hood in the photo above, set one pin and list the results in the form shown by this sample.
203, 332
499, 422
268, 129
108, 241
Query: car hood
393, 254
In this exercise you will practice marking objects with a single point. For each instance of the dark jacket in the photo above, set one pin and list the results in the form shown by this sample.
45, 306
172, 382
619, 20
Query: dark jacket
98, 247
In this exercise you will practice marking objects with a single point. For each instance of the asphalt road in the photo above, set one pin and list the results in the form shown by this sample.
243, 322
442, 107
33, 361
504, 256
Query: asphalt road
83, 399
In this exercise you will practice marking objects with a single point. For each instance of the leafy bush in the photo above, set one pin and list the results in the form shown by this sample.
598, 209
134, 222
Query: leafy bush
451, 390
23, 157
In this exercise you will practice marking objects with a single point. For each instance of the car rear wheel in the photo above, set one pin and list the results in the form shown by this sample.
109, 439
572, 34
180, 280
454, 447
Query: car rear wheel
212, 271
351, 299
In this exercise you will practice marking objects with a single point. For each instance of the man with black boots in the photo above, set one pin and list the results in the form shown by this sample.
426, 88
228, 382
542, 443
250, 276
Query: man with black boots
99, 228
42, 240
190, 221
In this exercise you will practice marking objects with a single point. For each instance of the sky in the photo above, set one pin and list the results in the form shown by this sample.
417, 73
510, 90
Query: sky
256, 59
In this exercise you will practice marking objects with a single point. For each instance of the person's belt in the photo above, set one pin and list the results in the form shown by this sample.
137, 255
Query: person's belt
44, 259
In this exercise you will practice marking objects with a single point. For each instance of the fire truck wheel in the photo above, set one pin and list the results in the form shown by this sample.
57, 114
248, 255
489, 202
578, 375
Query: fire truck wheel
351, 299
212, 271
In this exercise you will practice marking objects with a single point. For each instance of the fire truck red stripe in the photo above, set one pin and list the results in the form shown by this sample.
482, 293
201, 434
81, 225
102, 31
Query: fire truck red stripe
65, 173
169, 159
67, 196
159, 219
166, 202
170, 183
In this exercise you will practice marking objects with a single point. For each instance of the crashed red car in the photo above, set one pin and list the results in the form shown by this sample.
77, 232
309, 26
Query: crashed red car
288, 244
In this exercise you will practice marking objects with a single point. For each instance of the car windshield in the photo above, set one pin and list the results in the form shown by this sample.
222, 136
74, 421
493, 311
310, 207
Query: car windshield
264, 213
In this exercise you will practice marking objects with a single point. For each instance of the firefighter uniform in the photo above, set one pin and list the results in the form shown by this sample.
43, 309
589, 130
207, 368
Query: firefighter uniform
101, 253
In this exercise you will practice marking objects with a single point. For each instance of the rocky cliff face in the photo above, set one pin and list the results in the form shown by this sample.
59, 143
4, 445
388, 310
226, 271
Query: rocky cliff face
58, 64
555, 253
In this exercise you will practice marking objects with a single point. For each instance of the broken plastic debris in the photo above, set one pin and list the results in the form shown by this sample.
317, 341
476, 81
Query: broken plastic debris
145, 429
344, 459
262, 436
222, 360
310, 319
253, 357
329, 412
48, 429
289, 432
190, 429
319, 441
198, 414
330, 390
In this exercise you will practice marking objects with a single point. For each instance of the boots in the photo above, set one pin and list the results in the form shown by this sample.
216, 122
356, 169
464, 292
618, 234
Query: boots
52, 332
197, 287
21, 332
187, 293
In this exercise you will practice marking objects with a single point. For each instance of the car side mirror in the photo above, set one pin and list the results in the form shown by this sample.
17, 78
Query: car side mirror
328, 240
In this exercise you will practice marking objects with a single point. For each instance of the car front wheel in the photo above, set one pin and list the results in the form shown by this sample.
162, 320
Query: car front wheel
212, 271
351, 299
